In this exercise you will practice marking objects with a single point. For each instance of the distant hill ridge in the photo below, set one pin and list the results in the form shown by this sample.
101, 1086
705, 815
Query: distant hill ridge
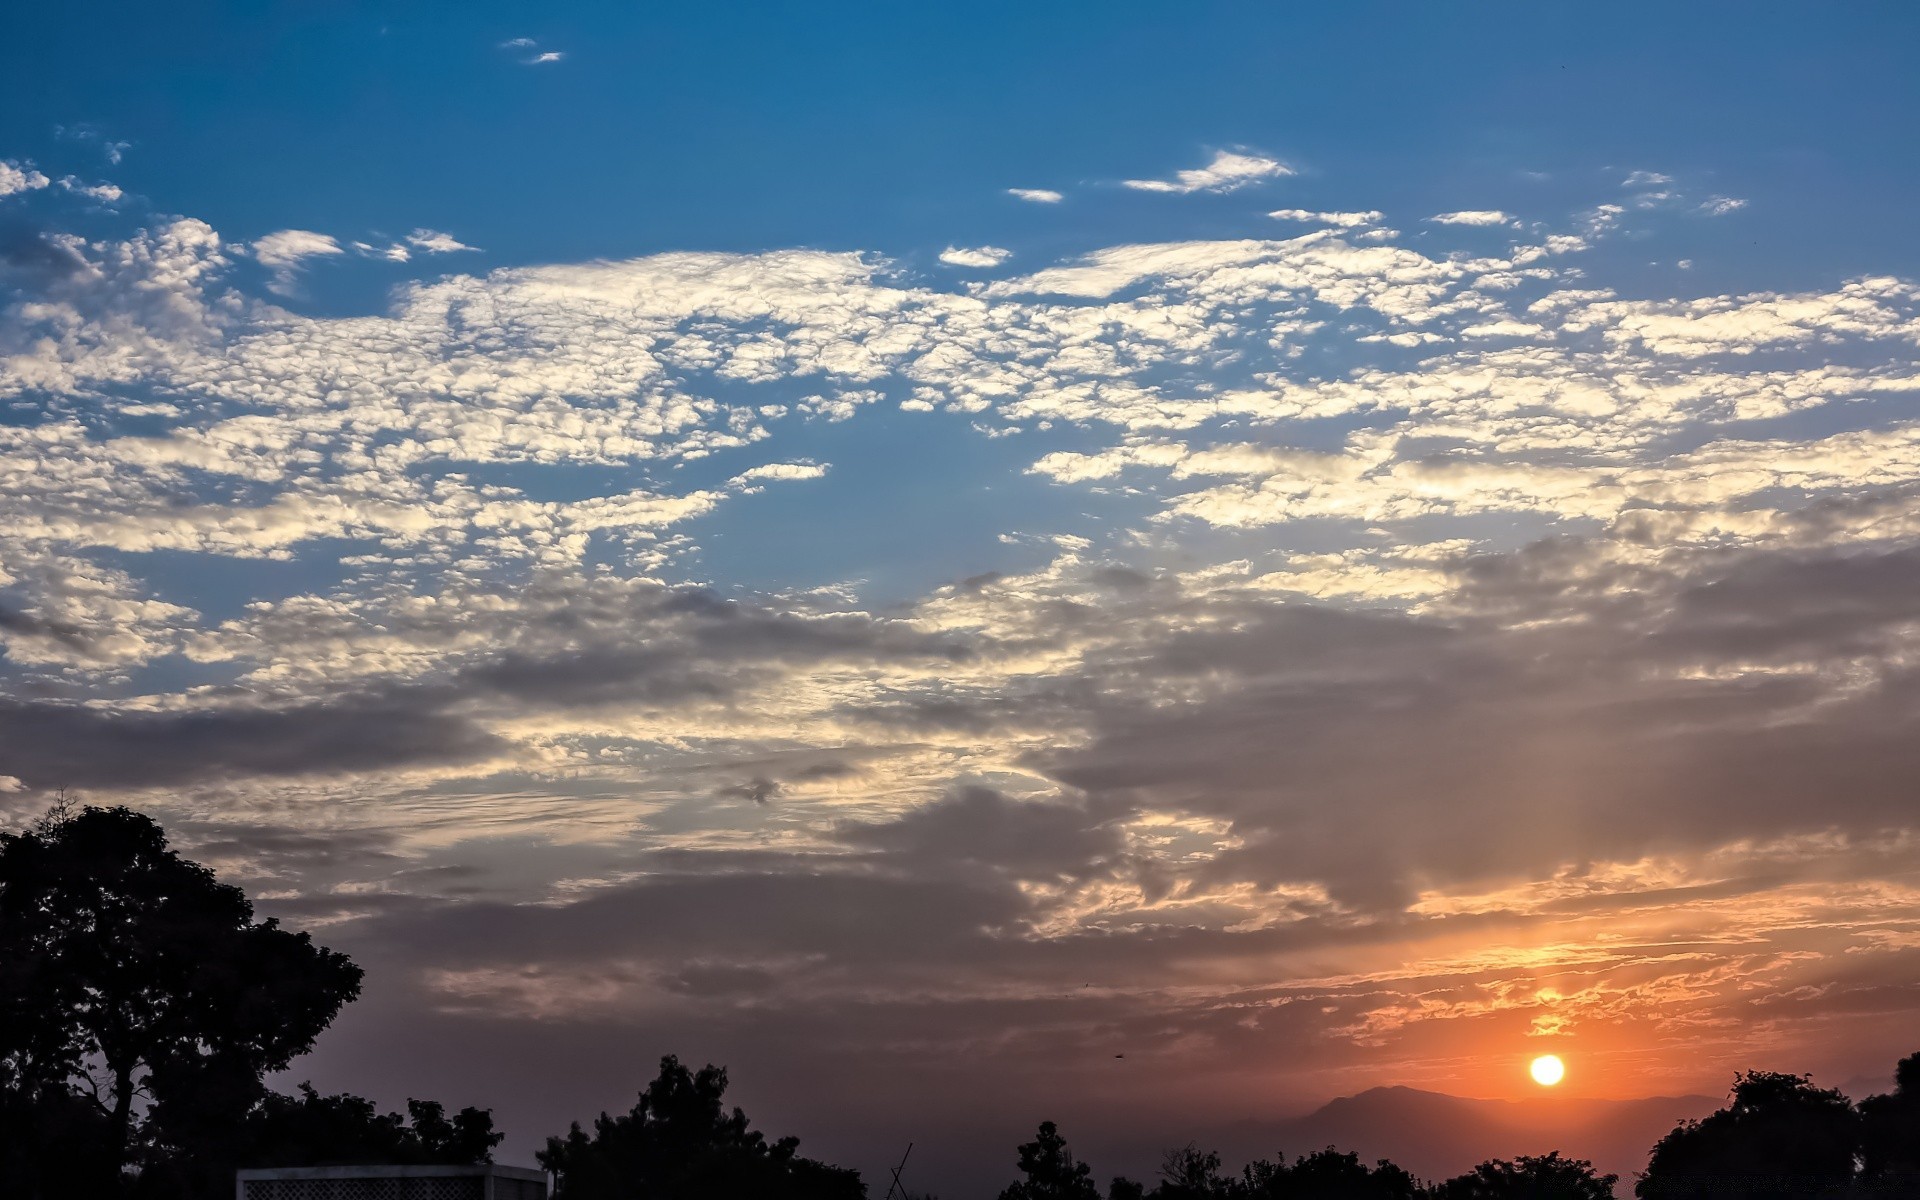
1436, 1136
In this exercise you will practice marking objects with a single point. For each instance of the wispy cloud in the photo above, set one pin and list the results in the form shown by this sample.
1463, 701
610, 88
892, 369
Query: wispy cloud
527, 43
1472, 216
1645, 179
112, 150
284, 252
1036, 195
977, 256
1229, 171
435, 242
105, 193
1341, 220
1720, 206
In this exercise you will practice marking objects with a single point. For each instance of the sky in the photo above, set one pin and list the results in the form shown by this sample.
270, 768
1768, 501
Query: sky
917, 551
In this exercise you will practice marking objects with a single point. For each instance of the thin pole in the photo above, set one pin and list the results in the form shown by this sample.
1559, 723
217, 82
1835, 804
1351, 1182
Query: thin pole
896, 1177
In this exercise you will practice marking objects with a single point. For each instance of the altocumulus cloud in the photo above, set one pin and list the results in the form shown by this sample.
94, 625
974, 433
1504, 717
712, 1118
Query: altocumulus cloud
1374, 775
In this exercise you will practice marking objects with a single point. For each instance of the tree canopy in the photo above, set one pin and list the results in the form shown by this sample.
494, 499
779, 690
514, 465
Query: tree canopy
679, 1142
141, 1005
1780, 1136
1541, 1177
1051, 1170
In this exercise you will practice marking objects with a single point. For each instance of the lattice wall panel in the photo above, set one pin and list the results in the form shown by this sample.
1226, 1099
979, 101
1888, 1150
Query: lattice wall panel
470, 1188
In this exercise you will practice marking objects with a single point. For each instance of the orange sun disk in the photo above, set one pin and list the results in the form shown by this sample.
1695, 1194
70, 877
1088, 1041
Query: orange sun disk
1547, 1070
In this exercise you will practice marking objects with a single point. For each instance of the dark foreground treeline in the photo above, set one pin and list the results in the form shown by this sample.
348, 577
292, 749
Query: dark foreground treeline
1780, 1138
142, 1007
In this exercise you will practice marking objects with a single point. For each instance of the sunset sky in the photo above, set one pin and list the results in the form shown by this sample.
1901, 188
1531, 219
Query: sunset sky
914, 550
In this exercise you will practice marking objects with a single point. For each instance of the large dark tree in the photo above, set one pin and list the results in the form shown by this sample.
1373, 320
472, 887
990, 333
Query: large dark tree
1779, 1137
679, 1143
1529, 1177
1050, 1170
138, 993
1890, 1134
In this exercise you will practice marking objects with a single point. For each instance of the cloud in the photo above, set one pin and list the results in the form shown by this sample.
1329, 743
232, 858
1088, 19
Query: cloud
105, 193
782, 471
1340, 220
113, 151
1478, 216
16, 178
527, 43
1229, 171
284, 252
56, 746
1720, 206
1036, 195
1645, 179
979, 256
1526, 580
435, 242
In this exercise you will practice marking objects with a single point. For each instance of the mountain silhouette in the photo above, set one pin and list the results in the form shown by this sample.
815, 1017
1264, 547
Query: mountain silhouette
1437, 1136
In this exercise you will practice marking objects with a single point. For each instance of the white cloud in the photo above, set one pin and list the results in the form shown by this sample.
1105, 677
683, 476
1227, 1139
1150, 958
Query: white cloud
15, 178
1645, 179
519, 43
435, 242
1720, 206
286, 249
977, 256
1472, 216
782, 471
105, 193
9, 783
546, 56
1340, 220
1229, 171
1036, 195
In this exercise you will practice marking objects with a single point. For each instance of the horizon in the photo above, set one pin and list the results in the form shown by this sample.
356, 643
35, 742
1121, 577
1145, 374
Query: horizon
1161, 564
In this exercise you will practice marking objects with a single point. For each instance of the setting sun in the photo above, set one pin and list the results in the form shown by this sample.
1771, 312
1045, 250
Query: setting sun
1547, 1070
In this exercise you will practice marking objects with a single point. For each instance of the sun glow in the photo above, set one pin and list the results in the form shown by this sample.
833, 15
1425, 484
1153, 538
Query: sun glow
1547, 1070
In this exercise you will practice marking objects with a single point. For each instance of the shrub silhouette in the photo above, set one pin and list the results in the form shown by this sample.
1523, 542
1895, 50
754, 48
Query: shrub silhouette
1780, 1136
1545, 1177
1189, 1174
679, 1143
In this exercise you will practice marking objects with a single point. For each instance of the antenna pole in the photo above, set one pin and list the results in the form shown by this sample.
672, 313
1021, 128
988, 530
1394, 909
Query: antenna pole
896, 1177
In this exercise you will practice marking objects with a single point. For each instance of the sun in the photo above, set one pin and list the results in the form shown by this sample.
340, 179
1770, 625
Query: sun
1547, 1070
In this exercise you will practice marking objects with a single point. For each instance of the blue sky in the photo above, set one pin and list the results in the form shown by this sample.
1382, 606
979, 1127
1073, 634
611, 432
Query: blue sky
850, 126
793, 535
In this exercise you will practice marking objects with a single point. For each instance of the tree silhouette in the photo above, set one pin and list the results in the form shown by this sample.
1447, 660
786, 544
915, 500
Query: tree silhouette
1051, 1172
1543, 1177
311, 1130
136, 991
1330, 1175
1188, 1174
1890, 1133
679, 1143
1780, 1136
